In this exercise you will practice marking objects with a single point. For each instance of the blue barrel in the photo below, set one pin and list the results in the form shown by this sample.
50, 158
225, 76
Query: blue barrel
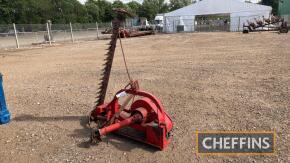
4, 113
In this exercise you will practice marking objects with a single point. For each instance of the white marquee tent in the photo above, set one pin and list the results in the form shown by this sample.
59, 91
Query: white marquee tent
239, 13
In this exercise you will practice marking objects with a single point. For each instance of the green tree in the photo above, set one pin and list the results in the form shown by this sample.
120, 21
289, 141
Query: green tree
39, 11
273, 3
176, 4
30, 11
105, 10
7, 11
134, 7
100, 10
119, 4
150, 8
93, 11
65, 11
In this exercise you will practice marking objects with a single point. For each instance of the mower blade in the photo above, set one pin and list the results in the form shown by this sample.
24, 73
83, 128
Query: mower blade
108, 61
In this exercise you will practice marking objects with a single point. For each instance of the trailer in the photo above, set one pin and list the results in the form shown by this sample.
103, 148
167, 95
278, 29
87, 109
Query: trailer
274, 23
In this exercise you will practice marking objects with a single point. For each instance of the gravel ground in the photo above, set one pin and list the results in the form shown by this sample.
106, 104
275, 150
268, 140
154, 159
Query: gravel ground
206, 81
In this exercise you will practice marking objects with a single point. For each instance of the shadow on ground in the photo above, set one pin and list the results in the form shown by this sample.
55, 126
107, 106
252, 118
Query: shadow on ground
120, 142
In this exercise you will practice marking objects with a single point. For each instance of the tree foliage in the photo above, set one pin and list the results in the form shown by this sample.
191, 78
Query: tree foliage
273, 3
134, 7
176, 4
65, 11
39, 11
150, 8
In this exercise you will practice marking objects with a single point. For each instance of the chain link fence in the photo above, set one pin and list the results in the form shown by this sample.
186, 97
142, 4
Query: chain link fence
29, 35
7, 38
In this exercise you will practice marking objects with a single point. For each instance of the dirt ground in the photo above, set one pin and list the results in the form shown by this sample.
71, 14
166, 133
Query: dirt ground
206, 81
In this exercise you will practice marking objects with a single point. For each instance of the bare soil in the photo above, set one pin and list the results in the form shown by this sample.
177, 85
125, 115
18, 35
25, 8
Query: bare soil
206, 81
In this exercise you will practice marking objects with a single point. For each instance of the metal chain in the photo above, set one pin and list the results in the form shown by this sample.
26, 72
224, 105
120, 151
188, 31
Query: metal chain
124, 58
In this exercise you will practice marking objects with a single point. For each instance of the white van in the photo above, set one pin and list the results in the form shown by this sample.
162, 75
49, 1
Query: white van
159, 21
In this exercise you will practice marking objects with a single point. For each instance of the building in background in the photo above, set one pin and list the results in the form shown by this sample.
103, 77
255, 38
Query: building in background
214, 15
284, 10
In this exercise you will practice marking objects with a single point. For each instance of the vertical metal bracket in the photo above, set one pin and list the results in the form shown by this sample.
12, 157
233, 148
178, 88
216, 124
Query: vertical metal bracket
4, 113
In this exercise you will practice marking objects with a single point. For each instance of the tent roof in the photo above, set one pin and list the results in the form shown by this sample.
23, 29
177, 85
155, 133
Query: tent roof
207, 7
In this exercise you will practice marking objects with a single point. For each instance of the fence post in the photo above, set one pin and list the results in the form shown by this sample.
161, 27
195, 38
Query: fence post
164, 25
270, 18
48, 33
239, 24
71, 33
16, 37
193, 25
97, 25
173, 26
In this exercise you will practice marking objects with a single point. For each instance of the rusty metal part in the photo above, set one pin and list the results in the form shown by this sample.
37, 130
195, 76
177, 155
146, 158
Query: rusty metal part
108, 63
141, 33
121, 13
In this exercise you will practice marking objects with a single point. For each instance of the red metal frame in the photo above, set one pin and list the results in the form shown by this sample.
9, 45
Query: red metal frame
146, 116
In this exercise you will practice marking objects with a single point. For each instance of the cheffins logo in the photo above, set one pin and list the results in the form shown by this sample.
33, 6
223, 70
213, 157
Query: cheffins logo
235, 142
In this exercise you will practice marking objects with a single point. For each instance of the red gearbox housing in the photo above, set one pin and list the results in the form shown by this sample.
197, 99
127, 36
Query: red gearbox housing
143, 120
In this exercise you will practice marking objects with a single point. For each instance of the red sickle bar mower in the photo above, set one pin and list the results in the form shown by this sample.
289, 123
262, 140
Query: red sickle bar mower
133, 113
145, 120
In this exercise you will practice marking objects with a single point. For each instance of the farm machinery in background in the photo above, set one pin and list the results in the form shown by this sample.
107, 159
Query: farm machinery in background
4, 113
274, 23
134, 32
133, 113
